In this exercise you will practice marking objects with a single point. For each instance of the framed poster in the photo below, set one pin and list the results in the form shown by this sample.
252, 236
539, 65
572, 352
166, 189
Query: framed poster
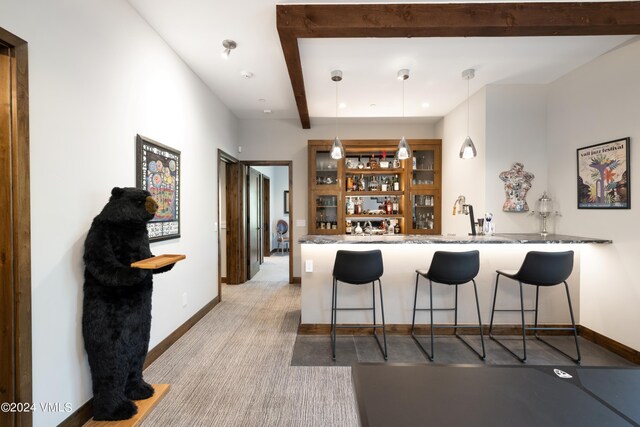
158, 172
604, 175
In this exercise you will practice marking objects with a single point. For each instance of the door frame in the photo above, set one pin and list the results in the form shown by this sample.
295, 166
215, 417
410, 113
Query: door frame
289, 165
233, 228
266, 217
18, 243
250, 231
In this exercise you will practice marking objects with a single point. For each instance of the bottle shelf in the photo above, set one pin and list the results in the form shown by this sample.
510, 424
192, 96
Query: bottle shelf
373, 216
373, 193
377, 171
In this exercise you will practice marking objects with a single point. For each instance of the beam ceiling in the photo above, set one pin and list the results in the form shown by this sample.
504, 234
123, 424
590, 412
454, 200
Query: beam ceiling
443, 20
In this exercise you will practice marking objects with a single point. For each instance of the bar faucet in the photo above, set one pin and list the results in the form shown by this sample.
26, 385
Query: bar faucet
461, 207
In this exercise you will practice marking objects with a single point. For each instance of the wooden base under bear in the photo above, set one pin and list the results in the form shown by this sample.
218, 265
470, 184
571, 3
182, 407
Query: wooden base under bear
144, 408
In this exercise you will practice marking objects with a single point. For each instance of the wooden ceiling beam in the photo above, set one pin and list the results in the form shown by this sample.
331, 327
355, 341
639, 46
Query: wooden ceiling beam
444, 20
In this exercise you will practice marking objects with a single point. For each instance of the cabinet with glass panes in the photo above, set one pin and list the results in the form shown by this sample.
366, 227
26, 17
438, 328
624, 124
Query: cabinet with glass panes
371, 190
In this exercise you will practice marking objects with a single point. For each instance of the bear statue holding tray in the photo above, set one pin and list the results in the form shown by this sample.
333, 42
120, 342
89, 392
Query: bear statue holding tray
116, 318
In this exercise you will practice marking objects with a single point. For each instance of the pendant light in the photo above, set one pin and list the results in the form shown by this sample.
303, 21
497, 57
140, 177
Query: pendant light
404, 151
468, 150
337, 150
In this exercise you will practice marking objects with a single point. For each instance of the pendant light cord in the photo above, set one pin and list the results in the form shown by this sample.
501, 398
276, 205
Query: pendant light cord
403, 97
336, 108
468, 105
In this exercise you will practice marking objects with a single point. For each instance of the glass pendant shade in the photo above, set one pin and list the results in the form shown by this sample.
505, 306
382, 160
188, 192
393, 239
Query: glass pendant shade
404, 151
337, 150
468, 150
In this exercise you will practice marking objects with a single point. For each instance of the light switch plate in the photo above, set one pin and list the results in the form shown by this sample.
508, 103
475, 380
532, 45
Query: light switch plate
301, 223
308, 266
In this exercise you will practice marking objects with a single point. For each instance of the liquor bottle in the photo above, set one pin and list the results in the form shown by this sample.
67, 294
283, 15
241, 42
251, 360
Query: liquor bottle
348, 228
394, 207
388, 206
397, 227
361, 184
349, 184
396, 183
373, 163
350, 206
396, 163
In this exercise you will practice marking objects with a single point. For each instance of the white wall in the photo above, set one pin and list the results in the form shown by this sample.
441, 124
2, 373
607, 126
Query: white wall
286, 140
597, 103
97, 76
516, 132
463, 177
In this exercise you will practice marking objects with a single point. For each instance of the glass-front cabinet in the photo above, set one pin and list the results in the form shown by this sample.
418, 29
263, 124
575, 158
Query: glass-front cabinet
325, 171
425, 166
371, 192
326, 208
425, 213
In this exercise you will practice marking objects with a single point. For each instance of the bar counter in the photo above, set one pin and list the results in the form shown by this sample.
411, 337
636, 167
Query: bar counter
422, 239
403, 254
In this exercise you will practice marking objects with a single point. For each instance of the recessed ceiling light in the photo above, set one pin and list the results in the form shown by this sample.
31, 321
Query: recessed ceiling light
425, 105
262, 100
267, 111
342, 105
246, 74
372, 105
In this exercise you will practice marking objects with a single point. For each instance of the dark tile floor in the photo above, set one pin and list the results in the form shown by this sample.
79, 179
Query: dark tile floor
315, 350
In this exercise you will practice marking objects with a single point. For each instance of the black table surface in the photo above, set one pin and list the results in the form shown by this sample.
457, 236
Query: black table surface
401, 395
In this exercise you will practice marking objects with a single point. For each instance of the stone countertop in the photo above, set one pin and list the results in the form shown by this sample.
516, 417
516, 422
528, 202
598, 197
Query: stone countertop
507, 238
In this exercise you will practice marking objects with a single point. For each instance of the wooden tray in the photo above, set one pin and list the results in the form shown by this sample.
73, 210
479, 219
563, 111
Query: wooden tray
157, 261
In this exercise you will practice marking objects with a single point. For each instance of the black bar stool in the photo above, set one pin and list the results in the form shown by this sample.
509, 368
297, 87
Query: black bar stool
539, 269
449, 268
358, 268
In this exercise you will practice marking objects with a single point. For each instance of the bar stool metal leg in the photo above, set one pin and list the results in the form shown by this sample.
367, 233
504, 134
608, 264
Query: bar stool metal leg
333, 319
493, 310
384, 332
475, 290
573, 329
524, 331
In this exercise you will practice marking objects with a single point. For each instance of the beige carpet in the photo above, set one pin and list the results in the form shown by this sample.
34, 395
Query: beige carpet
232, 368
275, 268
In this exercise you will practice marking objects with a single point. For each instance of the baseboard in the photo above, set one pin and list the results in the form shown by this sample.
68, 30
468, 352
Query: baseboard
402, 329
296, 280
85, 412
613, 346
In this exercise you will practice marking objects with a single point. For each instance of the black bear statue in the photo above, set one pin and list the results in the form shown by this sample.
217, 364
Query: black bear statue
116, 317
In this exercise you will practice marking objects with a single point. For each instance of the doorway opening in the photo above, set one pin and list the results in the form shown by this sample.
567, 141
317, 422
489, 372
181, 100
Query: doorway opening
254, 203
275, 223
15, 231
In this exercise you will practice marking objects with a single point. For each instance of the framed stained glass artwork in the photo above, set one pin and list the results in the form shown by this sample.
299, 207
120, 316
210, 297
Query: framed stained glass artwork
158, 172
